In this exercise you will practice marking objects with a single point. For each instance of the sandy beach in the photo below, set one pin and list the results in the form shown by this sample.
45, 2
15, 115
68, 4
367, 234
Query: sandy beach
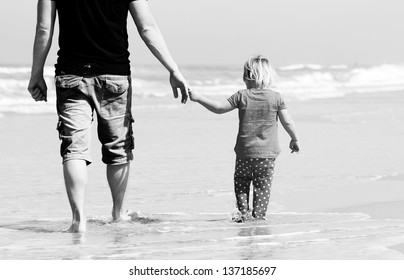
336, 208
342, 194
358, 137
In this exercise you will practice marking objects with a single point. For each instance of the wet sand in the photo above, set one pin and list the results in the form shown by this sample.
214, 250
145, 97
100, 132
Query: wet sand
342, 193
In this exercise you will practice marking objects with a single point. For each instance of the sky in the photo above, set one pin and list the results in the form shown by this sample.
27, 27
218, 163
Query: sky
326, 32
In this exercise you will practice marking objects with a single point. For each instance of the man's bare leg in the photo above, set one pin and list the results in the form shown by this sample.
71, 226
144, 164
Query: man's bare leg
117, 176
75, 175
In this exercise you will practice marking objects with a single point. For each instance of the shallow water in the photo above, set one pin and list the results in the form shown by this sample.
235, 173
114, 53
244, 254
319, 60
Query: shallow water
207, 236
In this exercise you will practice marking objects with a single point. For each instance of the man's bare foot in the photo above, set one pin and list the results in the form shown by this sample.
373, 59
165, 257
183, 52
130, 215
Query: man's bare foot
121, 216
77, 227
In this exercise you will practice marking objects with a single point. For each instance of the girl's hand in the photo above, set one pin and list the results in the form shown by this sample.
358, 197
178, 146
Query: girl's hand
194, 96
294, 146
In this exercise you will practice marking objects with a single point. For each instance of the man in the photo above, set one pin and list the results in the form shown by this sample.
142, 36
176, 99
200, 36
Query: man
93, 74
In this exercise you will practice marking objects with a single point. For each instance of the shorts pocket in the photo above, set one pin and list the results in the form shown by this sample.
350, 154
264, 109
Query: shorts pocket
114, 100
116, 86
131, 137
59, 128
68, 81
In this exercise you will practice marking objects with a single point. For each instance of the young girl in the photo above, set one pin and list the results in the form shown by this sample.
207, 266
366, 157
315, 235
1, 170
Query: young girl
257, 141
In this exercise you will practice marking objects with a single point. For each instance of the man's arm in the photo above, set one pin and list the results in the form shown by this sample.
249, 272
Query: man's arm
151, 35
46, 14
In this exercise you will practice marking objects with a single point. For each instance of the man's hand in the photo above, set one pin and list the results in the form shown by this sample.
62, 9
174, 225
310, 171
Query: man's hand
38, 89
178, 81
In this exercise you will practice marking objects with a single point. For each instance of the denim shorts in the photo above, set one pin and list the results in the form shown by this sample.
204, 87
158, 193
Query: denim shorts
111, 97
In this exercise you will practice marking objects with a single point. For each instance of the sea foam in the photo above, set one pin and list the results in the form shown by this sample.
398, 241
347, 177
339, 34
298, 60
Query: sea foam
295, 82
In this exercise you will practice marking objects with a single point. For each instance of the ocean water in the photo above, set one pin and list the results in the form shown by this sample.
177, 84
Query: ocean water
328, 202
207, 236
296, 82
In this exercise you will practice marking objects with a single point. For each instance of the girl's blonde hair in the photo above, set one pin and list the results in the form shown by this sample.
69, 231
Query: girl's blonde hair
258, 69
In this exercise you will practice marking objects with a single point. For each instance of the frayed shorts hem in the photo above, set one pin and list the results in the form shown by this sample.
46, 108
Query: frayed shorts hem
66, 158
119, 161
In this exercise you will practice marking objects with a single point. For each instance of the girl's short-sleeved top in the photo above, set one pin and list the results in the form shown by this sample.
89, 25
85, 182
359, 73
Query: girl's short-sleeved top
258, 122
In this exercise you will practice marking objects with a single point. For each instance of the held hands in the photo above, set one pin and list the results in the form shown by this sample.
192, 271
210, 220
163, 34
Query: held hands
294, 146
178, 81
194, 96
38, 89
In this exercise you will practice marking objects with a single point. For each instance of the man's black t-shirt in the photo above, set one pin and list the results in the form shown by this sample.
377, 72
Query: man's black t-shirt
93, 37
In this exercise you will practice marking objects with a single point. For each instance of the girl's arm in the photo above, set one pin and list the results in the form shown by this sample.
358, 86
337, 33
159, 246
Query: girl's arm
289, 126
218, 107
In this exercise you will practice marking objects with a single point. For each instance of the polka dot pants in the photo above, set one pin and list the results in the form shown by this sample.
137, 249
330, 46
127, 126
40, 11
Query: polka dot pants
260, 171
